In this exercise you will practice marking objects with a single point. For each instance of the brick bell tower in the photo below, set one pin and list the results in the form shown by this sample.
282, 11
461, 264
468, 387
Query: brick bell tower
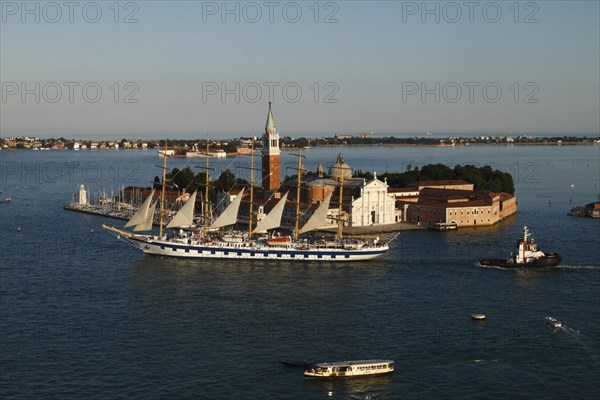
270, 156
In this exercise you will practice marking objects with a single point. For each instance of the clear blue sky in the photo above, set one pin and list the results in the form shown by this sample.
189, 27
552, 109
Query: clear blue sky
373, 54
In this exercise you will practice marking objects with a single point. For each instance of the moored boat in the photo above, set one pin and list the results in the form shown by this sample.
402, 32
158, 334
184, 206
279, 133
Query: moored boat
527, 255
444, 226
347, 369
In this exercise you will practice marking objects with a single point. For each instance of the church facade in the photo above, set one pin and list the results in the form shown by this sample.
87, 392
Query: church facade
374, 205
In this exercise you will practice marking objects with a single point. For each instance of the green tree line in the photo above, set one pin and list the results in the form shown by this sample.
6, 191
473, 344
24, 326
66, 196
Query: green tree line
483, 178
186, 179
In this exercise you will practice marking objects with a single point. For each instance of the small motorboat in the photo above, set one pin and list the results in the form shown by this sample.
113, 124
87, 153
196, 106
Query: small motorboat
7, 200
553, 322
478, 317
528, 255
279, 240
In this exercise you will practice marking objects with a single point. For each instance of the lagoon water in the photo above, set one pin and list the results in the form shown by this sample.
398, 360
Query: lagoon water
83, 315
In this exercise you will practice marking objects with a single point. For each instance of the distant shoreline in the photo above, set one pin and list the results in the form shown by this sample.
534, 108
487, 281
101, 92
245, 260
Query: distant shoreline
583, 143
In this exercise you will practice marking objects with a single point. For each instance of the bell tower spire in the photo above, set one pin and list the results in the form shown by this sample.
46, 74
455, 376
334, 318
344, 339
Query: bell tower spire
270, 155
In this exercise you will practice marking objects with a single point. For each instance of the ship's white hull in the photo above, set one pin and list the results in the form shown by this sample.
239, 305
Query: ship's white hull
347, 374
252, 251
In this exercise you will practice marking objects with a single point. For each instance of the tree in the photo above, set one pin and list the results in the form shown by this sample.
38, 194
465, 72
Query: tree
225, 182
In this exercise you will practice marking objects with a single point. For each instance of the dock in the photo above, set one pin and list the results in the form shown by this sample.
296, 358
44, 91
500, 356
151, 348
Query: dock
100, 211
375, 229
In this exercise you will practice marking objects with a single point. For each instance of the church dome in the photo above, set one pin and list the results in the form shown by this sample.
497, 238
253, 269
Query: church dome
340, 167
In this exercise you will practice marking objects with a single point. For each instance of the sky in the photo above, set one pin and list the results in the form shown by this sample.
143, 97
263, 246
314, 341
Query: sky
186, 69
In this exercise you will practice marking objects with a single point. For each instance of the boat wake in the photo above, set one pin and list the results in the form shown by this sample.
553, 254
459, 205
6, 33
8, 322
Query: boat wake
480, 265
571, 331
557, 325
578, 339
578, 266
480, 361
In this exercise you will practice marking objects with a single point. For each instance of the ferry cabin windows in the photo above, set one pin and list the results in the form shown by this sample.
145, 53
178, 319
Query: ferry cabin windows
371, 367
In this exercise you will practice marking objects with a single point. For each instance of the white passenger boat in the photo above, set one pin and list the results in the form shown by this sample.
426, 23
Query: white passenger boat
347, 369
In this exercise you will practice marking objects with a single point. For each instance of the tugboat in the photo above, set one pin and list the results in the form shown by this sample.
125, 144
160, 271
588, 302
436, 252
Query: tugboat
527, 256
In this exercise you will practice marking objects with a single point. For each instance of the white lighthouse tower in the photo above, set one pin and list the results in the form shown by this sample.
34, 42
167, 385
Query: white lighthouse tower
83, 200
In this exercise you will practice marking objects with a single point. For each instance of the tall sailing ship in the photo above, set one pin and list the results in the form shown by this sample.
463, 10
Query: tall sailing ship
181, 238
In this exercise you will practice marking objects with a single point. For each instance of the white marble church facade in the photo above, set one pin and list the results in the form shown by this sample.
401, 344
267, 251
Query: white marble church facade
375, 206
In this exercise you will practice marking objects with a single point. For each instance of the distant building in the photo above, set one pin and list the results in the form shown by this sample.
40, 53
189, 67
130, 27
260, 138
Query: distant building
463, 207
400, 193
444, 184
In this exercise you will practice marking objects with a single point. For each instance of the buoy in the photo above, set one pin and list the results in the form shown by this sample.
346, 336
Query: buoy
478, 317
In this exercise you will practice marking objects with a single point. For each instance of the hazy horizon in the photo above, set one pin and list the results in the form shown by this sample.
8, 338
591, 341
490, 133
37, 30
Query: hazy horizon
150, 69
300, 135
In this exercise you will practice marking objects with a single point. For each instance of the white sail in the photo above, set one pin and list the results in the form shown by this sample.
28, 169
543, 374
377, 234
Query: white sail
185, 216
273, 218
229, 216
147, 224
318, 219
140, 216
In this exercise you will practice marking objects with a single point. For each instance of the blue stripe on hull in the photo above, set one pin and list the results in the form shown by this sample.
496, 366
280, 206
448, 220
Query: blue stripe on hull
247, 253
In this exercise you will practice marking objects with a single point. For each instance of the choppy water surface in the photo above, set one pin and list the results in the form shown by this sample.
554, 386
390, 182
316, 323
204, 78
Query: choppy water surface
85, 316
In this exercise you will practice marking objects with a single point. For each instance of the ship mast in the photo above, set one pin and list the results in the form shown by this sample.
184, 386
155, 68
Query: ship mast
205, 208
340, 220
162, 192
251, 188
298, 193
